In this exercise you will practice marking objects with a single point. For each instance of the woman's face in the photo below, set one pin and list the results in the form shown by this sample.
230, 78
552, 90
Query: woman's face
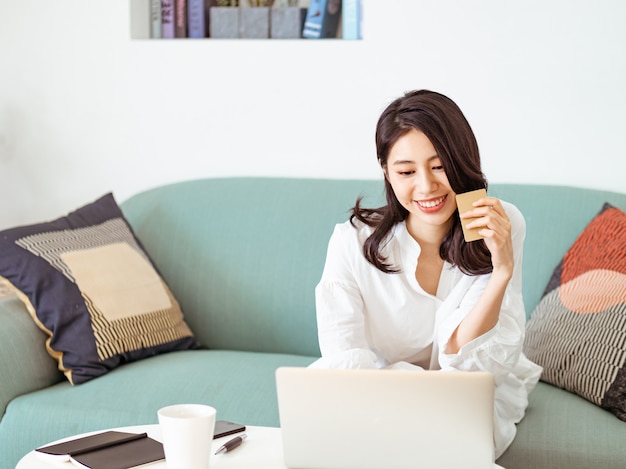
420, 183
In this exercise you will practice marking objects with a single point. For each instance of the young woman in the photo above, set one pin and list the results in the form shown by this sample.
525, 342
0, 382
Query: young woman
402, 289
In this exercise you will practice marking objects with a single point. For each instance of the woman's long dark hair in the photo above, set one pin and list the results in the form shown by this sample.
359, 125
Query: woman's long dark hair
441, 120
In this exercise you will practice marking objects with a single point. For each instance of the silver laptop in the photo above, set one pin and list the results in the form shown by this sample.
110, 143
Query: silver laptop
385, 419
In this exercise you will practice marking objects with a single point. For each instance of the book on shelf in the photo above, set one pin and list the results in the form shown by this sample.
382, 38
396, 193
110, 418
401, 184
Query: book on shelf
106, 450
322, 19
155, 19
167, 19
351, 19
180, 18
198, 12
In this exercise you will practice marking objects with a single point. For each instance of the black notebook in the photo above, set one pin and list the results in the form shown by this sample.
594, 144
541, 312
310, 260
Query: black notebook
108, 450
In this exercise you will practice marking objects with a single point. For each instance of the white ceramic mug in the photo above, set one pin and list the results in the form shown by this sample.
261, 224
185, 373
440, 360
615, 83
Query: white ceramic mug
187, 431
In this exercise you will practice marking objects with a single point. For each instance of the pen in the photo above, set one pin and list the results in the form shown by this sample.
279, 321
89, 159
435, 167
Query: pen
231, 444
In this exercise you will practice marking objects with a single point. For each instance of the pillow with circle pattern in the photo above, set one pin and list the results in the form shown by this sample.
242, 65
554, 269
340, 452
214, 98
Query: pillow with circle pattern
577, 332
89, 284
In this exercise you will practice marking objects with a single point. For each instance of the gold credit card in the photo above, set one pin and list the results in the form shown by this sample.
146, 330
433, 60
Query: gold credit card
464, 203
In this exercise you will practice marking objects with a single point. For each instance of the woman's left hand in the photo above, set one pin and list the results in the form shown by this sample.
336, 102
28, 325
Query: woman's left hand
495, 227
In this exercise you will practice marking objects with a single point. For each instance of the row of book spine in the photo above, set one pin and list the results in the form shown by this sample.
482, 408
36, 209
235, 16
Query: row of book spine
170, 19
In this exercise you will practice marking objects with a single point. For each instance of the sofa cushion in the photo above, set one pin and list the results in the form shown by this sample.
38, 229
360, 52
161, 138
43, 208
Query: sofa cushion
88, 283
561, 430
240, 385
578, 330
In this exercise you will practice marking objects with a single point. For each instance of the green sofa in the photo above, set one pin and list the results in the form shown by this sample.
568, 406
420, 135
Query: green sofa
243, 256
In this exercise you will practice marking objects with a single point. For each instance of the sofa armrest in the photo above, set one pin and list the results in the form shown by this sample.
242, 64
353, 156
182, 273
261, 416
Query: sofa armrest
25, 365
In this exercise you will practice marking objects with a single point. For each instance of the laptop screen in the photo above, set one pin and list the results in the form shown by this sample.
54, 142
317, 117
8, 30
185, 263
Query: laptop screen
385, 419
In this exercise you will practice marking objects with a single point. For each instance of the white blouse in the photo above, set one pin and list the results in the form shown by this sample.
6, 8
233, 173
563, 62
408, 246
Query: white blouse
370, 319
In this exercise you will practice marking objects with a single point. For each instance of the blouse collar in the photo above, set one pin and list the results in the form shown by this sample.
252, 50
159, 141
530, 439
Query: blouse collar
410, 250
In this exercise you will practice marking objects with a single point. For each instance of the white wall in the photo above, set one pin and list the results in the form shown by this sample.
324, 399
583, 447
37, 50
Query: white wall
85, 110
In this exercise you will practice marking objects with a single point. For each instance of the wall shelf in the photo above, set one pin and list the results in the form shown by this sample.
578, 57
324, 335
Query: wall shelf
201, 20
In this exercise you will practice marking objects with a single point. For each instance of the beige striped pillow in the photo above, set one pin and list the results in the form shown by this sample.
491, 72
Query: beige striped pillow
89, 284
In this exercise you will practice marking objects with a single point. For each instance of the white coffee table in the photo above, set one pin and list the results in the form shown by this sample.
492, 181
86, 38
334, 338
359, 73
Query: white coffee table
262, 449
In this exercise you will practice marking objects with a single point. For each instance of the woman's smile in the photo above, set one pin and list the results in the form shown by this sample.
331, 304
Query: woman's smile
432, 205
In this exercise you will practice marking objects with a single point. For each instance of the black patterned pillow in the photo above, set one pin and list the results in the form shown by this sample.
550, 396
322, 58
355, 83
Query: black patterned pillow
578, 330
88, 283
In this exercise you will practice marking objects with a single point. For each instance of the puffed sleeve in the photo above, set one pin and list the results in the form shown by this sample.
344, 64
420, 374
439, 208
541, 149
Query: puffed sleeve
339, 305
498, 350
